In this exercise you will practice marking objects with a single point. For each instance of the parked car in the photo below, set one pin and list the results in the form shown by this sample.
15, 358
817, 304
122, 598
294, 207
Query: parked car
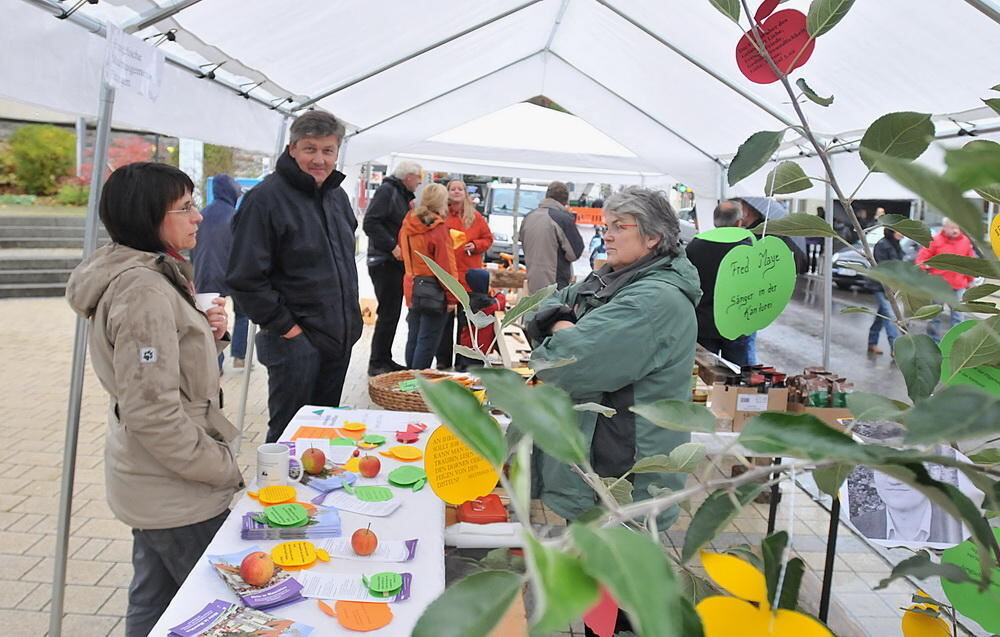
846, 278
499, 213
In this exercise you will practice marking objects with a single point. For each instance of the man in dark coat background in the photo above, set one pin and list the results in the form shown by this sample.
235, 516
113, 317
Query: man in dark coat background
292, 270
382, 222
211, 256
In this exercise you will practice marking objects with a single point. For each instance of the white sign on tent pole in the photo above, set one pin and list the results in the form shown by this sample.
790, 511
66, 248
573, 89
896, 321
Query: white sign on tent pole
132, 65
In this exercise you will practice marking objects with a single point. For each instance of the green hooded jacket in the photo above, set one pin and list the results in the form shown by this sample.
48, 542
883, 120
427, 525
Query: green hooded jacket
635, 346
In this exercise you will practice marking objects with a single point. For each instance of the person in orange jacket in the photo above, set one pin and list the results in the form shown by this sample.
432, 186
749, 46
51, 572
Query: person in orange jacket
462, 218
949, 241
424, 232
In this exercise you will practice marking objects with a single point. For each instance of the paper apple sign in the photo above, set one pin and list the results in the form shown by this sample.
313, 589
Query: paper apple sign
995, 235
754, 285
967, 599
785, 38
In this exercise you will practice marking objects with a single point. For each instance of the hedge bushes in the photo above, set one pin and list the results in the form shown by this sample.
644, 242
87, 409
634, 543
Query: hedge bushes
42, 155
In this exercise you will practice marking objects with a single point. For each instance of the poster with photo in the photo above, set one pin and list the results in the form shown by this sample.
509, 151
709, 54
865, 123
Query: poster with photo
891, 513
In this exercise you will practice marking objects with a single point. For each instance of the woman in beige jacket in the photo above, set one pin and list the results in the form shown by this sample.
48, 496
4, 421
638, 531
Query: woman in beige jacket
169, 469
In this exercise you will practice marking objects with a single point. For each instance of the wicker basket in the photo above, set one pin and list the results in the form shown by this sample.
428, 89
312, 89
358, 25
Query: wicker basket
383, 390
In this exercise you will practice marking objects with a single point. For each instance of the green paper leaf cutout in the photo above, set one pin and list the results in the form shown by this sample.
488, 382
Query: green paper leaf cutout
386, 582
471, 607
372, 494
343, 442
904, 135
373, 439
785, 178
753, 287
753, 154
406, 475
811, 94
287, 515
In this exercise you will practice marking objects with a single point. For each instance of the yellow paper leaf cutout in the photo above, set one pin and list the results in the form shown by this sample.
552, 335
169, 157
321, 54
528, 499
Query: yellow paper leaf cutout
728, 616
789, 623
736, 576
920, 625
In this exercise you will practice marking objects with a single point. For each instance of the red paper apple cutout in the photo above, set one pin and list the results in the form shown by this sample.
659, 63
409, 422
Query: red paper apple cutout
369, 466
785, 38
257, 568
313, 461
364, 541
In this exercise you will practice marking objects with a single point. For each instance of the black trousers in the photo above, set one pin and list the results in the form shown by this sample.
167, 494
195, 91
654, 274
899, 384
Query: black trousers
447, 345
387, 278
161, 560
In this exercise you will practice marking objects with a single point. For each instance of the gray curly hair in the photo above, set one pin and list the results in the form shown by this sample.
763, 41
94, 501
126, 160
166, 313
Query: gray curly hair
653, 213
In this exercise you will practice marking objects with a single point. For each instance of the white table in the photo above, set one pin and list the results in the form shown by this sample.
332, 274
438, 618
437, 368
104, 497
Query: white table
421, 516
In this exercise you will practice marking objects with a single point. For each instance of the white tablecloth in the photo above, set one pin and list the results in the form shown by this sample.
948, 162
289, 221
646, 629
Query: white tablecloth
421, 516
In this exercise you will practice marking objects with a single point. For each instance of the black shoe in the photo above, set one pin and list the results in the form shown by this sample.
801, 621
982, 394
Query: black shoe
393, 366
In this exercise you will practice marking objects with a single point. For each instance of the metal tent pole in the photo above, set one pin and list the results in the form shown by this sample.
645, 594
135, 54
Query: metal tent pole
81, 144
106, 107
241, 412
828, 280
515, 244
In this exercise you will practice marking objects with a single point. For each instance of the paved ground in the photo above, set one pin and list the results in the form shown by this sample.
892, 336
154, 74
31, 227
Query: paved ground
36, 339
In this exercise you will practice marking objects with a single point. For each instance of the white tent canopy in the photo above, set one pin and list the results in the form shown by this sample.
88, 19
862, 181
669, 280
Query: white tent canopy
658, 78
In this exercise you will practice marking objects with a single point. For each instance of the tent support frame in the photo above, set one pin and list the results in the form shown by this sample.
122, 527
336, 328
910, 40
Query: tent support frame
153, 16
105, 110
406, 58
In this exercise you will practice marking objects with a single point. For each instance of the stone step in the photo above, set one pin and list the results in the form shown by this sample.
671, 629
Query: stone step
42, 221
46, 232
19, 290
42, 262
42, 242
34, 276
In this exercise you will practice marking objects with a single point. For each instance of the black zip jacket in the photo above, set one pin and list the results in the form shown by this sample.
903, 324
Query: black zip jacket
384, 218
292, 260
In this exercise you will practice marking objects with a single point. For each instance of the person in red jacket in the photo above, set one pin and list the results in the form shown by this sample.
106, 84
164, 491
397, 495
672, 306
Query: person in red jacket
476, 238
949, 241
479, 301
424, 232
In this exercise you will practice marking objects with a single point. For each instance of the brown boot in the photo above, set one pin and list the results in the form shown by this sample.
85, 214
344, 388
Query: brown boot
873, 349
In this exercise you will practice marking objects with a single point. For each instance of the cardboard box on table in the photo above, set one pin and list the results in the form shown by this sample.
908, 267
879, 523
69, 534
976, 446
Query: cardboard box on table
829, 415
740, 404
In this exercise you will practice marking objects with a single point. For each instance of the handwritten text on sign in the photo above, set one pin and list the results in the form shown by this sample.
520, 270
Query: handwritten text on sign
131, 64
754, 285
455, 472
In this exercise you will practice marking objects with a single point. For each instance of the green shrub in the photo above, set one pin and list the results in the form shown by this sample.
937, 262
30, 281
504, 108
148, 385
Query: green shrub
8, 180
73, 192
43, 154
17, 200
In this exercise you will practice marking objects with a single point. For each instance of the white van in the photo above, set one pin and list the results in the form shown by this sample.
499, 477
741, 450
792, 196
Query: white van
499, 213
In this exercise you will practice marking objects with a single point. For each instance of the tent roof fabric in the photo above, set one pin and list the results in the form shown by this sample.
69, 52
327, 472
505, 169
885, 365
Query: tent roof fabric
658, 78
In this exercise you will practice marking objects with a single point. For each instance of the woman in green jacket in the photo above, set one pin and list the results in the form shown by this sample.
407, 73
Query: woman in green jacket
631, 327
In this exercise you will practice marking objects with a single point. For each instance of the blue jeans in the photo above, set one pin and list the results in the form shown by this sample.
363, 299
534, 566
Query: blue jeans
161, 560
956, 317
241, 325
735, 351
752, 348
297, 374
424, 337
885, 310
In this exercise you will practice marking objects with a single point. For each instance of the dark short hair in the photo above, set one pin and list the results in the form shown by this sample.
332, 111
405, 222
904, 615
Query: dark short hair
135, 200
316, 124
559, 191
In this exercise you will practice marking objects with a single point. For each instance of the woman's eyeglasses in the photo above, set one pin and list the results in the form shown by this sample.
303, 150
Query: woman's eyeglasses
188, 210
617, 228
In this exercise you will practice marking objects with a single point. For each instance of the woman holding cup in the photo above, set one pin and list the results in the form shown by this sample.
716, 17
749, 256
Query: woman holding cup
170, 473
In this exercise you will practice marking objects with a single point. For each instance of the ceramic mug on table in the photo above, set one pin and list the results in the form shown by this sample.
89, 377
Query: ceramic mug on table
275, 466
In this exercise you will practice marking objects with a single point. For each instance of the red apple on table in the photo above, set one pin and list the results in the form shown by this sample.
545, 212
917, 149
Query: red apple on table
313, 461
257, 568
364, 541
369, 466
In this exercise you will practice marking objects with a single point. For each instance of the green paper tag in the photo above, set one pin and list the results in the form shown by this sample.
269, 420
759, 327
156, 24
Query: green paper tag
725, 235
374, 439
386, 582
967, 598
754, 285
419, 484
372, 494
984, 377
291, 514
408, 385
406, 475
343, 442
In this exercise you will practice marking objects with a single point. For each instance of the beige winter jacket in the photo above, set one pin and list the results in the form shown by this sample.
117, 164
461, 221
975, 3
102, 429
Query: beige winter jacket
166, 460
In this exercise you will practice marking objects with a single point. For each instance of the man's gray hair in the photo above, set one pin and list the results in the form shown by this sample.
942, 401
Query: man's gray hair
316, 124
653, 213
727, 214
405, 168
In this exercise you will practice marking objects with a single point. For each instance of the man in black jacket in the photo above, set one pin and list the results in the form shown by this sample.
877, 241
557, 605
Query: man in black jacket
706, 257
292, 270
382, 222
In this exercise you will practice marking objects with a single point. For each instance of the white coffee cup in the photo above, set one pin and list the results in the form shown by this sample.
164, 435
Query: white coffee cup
204, 300
274, 466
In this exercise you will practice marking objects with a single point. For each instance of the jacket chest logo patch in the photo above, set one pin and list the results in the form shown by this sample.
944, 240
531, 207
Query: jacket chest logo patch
147, 355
